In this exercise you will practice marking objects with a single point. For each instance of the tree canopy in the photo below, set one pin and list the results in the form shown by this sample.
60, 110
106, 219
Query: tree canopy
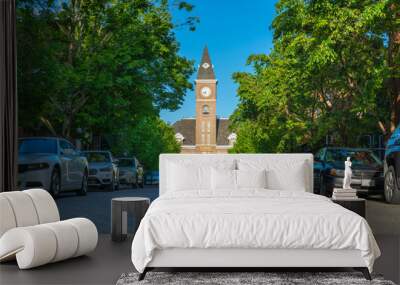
94, 67
334, 70
150, 137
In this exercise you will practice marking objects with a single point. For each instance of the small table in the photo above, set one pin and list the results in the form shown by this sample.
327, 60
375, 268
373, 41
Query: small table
355, 205
120, 208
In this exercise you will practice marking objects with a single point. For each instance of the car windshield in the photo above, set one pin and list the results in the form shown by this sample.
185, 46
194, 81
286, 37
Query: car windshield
97, 156
358, 157
37, 146
126, 163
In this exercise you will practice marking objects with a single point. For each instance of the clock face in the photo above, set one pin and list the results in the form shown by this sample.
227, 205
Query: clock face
205, 65
205, 91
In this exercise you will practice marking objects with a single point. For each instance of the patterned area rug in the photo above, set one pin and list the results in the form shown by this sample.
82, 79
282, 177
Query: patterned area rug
269, 278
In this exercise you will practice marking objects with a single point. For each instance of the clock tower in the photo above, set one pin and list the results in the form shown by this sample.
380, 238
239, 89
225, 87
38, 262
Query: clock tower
206, 97
205, 133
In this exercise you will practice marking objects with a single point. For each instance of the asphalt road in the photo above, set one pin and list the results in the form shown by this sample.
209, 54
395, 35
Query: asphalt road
383, 218
96, 205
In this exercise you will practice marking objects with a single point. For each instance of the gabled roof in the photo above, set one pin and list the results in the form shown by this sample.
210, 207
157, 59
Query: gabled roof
206, 68
187, 127
223, 131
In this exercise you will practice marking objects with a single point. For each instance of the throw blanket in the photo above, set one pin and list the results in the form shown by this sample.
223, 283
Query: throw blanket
250, 219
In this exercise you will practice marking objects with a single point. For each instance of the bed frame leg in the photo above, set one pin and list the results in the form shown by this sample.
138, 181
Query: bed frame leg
143, 274
364, 271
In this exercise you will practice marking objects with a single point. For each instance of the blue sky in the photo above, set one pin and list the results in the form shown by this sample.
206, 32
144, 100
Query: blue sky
232, 30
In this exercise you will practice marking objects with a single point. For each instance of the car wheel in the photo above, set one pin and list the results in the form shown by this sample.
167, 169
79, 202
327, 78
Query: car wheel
84, 186
391, 191
55, 183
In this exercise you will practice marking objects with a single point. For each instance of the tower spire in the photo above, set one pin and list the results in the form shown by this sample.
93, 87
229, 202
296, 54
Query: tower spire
206, 69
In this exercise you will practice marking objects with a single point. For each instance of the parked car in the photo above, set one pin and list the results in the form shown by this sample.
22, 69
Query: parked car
379, 152
367, 169
103, 170
52, 164
130, 172
152, 177
392, 168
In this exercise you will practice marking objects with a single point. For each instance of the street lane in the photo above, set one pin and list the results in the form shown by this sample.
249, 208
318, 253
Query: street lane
383, 218
96, 205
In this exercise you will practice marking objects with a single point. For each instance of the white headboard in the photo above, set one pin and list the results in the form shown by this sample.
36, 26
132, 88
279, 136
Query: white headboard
208, 159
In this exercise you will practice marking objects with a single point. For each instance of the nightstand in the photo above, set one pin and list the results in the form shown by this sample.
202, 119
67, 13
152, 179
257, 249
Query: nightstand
355, 205
120, 208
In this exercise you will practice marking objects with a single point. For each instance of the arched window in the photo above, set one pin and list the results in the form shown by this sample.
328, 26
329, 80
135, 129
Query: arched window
206, 109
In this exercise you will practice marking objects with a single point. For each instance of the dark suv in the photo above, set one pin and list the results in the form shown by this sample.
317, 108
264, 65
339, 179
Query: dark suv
392, 168
367, 169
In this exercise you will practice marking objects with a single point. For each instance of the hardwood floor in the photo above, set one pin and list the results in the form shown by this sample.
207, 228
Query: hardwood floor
110, 259
103, 266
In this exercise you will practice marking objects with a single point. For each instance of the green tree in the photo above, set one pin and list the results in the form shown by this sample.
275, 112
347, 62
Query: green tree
327, 74
150, 137
105, 64
36, 62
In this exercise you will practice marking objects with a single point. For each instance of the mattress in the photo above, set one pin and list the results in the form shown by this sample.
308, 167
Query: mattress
250, 219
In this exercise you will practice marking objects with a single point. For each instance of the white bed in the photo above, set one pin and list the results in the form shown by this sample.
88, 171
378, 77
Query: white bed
280, 225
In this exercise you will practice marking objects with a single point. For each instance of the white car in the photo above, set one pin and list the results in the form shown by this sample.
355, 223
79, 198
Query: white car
51, 163
130, 172
103, 169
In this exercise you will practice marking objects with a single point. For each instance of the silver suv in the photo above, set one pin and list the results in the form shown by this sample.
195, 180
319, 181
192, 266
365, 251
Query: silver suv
52, 164
103, 169
130, 172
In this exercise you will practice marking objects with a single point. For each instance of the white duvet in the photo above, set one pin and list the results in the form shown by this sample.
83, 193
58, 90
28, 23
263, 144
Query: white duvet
250, 219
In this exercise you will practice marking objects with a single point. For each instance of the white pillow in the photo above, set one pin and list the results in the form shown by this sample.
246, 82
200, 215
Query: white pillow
282, 174
188, 174
293, 180
251, 178
223, 179
183, 178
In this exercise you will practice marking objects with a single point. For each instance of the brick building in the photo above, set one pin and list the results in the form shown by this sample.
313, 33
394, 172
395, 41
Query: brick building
206, 133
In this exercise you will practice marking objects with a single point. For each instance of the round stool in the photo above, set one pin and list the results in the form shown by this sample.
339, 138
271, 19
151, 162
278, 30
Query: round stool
120, 208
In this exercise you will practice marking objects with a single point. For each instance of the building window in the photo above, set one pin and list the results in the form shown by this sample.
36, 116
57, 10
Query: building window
203, 139
208, 126
206, 110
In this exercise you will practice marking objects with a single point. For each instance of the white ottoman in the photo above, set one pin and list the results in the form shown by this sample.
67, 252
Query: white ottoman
23, 235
